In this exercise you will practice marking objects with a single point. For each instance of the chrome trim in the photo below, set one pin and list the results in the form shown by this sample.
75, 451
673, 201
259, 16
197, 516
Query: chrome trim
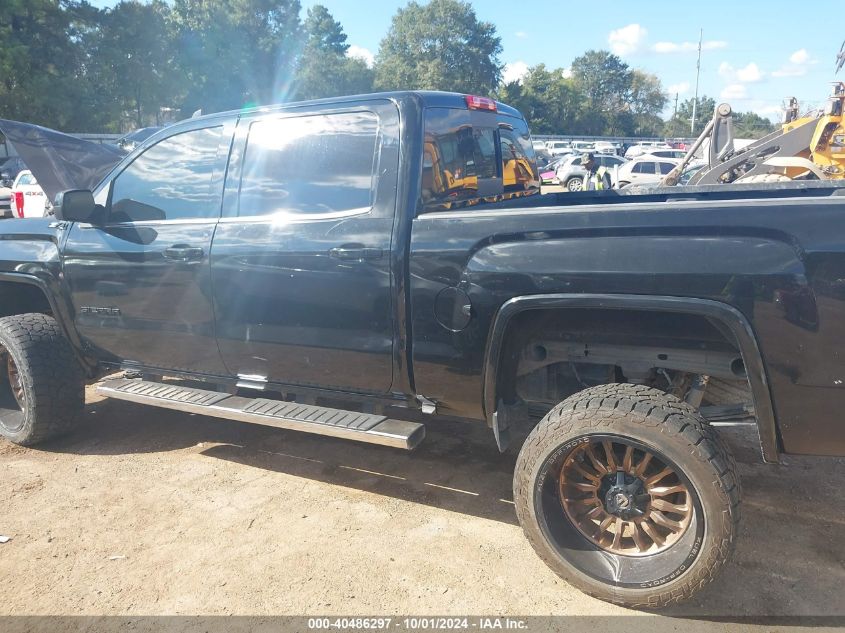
388, 432
291, 218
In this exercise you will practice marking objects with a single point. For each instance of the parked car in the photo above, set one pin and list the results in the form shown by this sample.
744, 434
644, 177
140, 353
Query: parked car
644, 171
676, 154
28, 199
583, 146
366, 251
559, 148
570, 173
5, 202
644, 147
604, 147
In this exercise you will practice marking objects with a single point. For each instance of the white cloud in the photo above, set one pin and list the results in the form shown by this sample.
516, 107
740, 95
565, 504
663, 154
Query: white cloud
733, 91
361, 53
798, 66
627, 40
521, 34
746, 75
681, 88
567, 73
801, 56
514, 71
688, 47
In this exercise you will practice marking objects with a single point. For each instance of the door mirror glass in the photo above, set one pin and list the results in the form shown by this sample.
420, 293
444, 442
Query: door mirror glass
75, 205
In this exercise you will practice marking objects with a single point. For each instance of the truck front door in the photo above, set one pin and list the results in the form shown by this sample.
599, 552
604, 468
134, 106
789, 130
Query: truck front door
301, 260
139, 278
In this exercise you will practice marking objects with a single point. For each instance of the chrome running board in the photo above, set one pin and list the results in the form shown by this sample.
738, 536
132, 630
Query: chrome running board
350, 425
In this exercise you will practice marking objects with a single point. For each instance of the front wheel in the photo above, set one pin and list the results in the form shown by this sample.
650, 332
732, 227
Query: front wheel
41, 384
626, 493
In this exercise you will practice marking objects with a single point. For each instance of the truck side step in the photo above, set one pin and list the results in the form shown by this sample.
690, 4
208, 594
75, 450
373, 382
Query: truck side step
351, 425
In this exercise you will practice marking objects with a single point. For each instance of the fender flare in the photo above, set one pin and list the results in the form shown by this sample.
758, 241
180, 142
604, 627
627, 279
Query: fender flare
61, 311
729, 316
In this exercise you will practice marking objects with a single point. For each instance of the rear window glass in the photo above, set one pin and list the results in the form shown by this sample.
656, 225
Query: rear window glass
310, 164
471, 155
456, 156
27, 179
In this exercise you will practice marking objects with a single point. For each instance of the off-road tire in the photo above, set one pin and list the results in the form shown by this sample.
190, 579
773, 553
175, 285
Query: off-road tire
674, 429
51, 380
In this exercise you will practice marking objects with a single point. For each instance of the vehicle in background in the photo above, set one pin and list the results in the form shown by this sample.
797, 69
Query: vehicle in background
570, 173
645, 170
691, 171
559, 148
675, 154
5, 202
28, 199
604, 147
583, 146
134, 139
644, 147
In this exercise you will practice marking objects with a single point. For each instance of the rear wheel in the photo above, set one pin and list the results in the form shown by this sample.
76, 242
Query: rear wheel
41, 384
626, 493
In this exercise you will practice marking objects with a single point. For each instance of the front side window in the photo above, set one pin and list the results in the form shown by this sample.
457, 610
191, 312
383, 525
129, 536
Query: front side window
171, 180
313, 164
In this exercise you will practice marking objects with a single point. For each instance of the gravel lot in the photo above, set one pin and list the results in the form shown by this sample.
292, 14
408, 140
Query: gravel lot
147, 511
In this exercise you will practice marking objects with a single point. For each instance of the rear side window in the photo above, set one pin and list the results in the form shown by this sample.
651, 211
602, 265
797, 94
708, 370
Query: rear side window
171, 180
665, 168
457, 155
310, 164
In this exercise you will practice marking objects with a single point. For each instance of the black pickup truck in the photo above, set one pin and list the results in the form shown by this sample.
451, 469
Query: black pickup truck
327, 266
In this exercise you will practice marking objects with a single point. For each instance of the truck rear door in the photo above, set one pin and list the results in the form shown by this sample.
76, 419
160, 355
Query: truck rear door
301, 258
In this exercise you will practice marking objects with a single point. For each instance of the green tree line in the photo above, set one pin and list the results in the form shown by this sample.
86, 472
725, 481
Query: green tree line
69, 65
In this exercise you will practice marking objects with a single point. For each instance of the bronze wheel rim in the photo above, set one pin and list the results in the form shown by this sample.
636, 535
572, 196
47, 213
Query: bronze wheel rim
13, 376
624, 498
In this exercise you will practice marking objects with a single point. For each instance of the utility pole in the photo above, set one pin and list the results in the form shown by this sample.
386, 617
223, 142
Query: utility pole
697, 73
675, 115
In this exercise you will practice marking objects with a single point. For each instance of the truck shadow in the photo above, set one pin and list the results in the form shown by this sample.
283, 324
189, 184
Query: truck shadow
790, 556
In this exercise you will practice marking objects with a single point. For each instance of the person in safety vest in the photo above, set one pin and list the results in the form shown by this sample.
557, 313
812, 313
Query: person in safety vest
597, 176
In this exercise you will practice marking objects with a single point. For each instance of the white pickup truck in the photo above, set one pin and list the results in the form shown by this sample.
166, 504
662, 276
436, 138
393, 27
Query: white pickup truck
27, 197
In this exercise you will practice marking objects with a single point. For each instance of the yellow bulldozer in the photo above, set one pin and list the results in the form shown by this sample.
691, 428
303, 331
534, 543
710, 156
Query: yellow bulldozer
808, 147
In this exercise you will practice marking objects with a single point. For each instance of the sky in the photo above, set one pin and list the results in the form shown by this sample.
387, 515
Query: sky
754, 53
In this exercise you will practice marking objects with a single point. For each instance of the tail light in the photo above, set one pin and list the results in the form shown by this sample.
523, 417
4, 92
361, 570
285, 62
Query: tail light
17, 202
480, 103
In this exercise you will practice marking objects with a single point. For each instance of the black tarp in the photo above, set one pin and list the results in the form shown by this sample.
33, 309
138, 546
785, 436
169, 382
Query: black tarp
60, 161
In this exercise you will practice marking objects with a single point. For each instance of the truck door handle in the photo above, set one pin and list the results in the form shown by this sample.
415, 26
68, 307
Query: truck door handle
355, 253
183, 253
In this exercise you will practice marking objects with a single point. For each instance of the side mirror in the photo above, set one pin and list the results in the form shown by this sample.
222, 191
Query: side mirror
75, 205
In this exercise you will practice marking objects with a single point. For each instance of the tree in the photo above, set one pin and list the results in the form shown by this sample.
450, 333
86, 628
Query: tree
324, 69
131, 59
237, 52
605, 81
646, 102
41, 62
679, 124
751, 125
439, 46
547, 99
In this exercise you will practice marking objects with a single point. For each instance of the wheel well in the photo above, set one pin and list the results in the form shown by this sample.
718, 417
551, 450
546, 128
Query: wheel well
21, 298
549, 354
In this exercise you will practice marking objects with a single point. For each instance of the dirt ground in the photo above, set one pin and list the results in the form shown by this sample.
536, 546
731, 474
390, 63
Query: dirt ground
148, 511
